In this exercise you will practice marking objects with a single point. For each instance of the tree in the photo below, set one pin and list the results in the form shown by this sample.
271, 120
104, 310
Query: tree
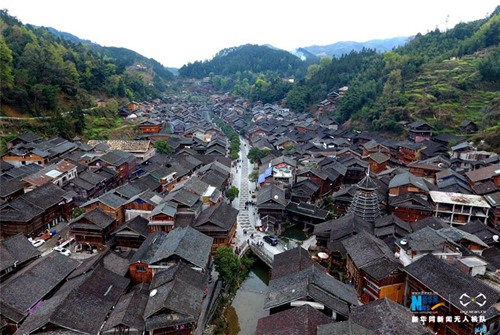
227, 263
77, 211
255, 154
254, 176
162, 147
232, 193
231, 267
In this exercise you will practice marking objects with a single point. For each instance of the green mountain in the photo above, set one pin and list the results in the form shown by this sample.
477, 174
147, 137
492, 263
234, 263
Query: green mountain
444, 78
45, 73
121, 56
248, 57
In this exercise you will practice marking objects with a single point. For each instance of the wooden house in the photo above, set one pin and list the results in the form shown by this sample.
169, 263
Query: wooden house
409, 152
271, 201
93, 227
383, 316
86, 185
121, 162
161, 250
330, 234
34, 212
410, 207
300, 320
459, 296
38, 152
378, 162
176, 301
110, 203
67, 311
494, 201
469, 127
373, 269
162, 217
17, 252
304, 214
218, 222
150, 127
309, 284
22, 293
132, 233
141, 204
419, 131
426, 241
328, 180
429, 168
408, 183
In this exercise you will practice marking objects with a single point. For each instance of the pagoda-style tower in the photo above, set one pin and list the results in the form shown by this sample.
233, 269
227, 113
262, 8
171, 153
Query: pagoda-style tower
365, 203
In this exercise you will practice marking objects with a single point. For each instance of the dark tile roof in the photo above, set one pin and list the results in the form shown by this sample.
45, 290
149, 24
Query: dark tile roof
45, 196
33, 283
112, 200
129, 310
385, 317
146, 183
302, 320
306, 209
290, 261
23, 171
431, 221
216, 218
183, 197
338, 229
344, 328
410, 179
117, 157
183, 242
492, 256
424, 240
313, 283
127, 191
16, 250
371, 255
81, 305
271, 193
99, 217
450, 283
9, 187
176, 297
479, 229
137, 224
410, 200
19, 210
213, 178
483, 173
196, 186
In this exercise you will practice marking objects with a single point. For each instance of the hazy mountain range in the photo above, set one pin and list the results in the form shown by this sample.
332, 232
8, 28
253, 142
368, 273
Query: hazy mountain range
310, 53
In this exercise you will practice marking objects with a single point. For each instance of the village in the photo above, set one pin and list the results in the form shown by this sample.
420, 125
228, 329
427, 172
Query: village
113, 237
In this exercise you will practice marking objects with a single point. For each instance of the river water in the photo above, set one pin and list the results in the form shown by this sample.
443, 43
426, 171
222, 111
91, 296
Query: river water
249, 300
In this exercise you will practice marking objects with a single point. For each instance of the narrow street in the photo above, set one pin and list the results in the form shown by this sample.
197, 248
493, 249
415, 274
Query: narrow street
248, 217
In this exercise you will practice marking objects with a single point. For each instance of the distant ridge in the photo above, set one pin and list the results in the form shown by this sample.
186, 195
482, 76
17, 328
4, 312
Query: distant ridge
340, 48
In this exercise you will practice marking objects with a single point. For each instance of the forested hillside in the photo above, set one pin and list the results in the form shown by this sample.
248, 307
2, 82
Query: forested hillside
253, 71
443, 78
43, 74
249, 57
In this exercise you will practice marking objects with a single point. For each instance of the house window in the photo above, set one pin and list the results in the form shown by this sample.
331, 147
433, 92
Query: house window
140, 268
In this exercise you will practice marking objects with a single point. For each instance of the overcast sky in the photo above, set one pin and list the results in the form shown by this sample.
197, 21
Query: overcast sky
175, 32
